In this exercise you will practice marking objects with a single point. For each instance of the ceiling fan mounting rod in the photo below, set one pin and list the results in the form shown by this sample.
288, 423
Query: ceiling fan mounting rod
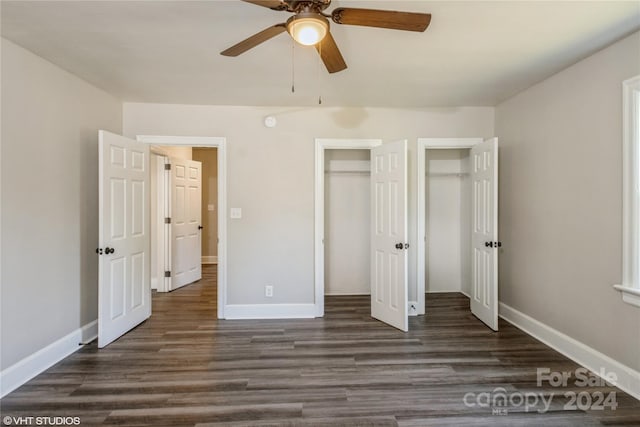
316, 6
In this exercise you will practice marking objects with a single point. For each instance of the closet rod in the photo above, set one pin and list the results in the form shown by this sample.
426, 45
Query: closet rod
456, 174
348, 172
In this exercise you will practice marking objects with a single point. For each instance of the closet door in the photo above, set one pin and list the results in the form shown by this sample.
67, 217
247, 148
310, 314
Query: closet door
389, 236
484, 181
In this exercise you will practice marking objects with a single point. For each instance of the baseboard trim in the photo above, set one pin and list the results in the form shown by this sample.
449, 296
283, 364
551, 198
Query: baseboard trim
209, 260
628, 378
334, 294
19, 373
270, 311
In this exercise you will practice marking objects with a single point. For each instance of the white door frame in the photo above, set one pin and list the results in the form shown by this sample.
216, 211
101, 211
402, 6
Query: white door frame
421, 170
323, 144
219, 143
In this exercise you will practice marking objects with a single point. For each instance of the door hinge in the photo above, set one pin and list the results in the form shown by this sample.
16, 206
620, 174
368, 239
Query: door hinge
167, 274
167, 166
167, 220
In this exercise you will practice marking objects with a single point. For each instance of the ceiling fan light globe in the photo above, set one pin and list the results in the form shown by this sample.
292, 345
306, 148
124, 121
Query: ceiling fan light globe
308, 31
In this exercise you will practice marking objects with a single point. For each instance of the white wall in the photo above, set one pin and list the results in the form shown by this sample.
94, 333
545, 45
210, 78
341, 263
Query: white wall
271, 177
50, 122
347, 185
561, 202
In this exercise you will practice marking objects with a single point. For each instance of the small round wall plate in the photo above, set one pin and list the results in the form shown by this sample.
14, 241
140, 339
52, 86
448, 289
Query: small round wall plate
270, 121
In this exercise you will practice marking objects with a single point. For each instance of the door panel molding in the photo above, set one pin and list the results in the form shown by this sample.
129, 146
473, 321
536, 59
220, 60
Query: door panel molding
124, 284
484, 179
389, 234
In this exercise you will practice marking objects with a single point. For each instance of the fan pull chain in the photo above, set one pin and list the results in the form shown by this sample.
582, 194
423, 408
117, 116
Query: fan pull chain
319, 73
293, 66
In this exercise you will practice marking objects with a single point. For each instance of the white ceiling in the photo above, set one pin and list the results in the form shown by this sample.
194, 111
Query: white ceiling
473, 53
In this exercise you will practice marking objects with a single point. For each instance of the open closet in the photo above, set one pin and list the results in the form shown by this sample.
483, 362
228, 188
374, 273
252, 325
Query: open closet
448, 221
457, 196
347, 216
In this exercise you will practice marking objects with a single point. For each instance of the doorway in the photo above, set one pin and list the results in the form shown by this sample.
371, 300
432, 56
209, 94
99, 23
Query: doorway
457, 222
184, 224
215, 222
322, 147
388, 227
347, 222
447, 221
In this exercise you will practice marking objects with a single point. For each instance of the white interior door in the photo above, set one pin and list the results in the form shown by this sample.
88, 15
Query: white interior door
124, 286
389, 245
186, 201
484, 181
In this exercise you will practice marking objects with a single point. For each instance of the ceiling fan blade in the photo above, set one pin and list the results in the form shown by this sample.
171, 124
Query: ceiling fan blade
254, 40
330, 54
271, 4
407, 21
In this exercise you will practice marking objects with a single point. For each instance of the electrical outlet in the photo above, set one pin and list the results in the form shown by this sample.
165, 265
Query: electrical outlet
268, 291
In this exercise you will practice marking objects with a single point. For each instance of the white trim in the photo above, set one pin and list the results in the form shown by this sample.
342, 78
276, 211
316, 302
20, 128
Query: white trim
628, 379
448, 143
209, 260
322, 144
270, 311
191, 141
347, 294
20, 372
630, 192
220, 143
629, 295
421, 234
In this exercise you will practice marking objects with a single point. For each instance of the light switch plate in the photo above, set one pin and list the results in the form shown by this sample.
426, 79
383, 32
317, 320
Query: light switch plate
211, 207
236, 213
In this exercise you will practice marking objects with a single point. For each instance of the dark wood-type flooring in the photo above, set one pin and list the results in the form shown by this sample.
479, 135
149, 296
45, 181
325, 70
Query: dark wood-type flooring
184, 367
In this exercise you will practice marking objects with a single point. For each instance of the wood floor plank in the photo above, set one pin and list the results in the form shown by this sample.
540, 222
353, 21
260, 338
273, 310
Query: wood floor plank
183, 367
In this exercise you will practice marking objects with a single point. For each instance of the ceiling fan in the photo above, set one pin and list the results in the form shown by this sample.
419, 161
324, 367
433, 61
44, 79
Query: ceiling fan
309, 26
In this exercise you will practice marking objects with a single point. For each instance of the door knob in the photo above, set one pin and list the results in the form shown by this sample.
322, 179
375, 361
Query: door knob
493, 244
109, 250
399, 246
200, 227
99, 251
